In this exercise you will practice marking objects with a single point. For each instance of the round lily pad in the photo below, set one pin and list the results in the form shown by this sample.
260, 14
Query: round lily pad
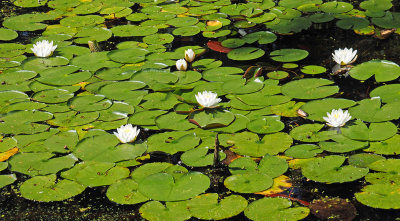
125, 192
388, 93
154, 210
198, 157
49, 188
382, 69
277, 75
245, 53
248, 182
310, 88
309, 133
211, 118
390, 146
133, 30
275, 209
208, 207
266, 125
288, 55
329, 169
249, 144
172, 142
313, 69
381, 195
375, 131
163, 186
303, 151
133, 55
7, 34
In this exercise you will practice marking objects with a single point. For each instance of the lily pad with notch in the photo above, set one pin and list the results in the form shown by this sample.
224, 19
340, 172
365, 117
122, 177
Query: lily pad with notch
375, 131
382, 69
329, 169
310, 88
49, 188
288, 55
209, 207
172, 142
155, 210
245, 53
276, 209
211, 118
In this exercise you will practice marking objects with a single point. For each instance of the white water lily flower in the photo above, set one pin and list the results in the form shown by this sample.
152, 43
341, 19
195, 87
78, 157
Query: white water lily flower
181, 65
337, 118
208, 99
189, 55
345, 56
127, 133
43, 48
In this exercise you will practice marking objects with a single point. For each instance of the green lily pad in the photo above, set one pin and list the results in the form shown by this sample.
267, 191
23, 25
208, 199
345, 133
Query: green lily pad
208, 207
133, 55
238, 124
313, 69
174, 121
73, 118
310, 88
288, 109
317, 109
242, 86
64, 75
245, 53
198, 157
275, 209
186, 31
26, 22
7, 34
288, 55
91, 173
34, 164
145, 117
375, 132
303, 151
310, 133
386, 165
388, 21
123, 90
82, 21
329, 169
23, 122
125, 192
62, 142
133, 30
222, 74
211, 118
266, 125
342, 144
154, 210
157, 100
249, 144
271, 165
381, 195
250, 182
52, 96
383, 178
277, 75
352, 23
388, 93
49, 188
94, 61
336, 7
390, 146
163, 186
382, 69
89, 103
375, 112
158, 39
172, 142
7, 179
364, 159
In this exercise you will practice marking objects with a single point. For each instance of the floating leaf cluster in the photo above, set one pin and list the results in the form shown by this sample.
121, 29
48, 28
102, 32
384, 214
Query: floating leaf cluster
59, 112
